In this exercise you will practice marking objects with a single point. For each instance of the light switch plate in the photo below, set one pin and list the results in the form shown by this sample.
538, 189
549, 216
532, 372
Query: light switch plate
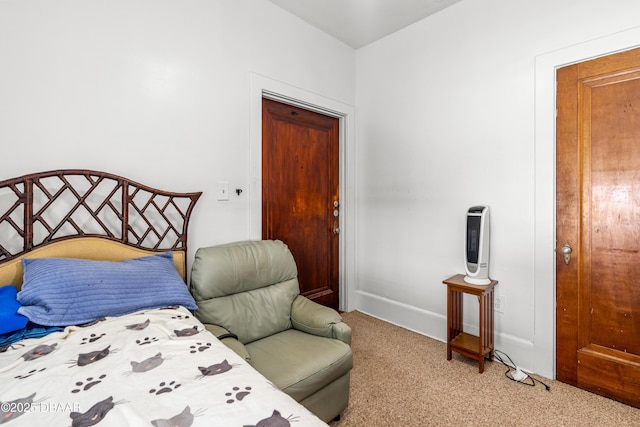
223, 190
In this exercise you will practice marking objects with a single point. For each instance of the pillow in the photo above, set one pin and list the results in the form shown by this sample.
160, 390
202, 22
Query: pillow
68, 291
10, 320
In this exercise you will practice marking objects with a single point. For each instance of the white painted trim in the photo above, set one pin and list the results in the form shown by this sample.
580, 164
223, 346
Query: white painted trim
429, 323
544, 244
262, 86
432, 324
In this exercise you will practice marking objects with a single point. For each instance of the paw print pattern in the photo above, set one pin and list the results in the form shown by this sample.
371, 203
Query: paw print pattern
180, 317
146, 340
92, 338
28, 374
200, 347
165, 388
90, 382
238, 393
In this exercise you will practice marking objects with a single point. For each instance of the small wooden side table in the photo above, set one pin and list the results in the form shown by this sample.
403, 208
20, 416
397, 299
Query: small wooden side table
475, 347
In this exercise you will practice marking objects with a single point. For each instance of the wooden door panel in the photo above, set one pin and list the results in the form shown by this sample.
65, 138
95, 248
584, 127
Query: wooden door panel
601, 370
614, 304
614, 211
567, 226
598, 185
300, 185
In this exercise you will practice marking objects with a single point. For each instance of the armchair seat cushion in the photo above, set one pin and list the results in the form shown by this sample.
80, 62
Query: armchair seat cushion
299, 363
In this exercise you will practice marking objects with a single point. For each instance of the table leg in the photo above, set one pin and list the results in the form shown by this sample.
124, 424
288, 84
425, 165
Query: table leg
481, 333
449, 321
490, 337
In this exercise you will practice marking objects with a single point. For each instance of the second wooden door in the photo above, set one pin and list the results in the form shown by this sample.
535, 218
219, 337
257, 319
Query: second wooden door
598, 226
300, 193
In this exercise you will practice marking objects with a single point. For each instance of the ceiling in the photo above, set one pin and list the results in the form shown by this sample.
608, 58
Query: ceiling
360, 22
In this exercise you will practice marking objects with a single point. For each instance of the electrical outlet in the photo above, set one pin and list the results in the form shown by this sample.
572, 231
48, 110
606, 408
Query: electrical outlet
498, 303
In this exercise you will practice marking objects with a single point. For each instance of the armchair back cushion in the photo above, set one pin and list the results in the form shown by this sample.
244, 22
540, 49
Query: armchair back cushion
247, 287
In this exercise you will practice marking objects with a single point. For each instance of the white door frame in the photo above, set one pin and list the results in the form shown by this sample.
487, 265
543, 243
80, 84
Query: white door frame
262, 86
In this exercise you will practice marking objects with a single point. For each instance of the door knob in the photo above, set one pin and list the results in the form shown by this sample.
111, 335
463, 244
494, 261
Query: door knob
566, 253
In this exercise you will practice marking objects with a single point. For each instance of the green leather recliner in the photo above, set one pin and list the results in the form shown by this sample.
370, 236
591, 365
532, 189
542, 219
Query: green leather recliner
249, 290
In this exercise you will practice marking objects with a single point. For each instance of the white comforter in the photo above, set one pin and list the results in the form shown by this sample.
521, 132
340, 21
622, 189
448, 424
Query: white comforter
151, 368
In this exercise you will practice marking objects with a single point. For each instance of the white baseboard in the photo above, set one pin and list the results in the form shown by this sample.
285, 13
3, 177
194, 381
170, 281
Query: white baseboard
434, 325
409, 317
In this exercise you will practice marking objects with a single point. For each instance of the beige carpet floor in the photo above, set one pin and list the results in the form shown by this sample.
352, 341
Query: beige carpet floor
401, 378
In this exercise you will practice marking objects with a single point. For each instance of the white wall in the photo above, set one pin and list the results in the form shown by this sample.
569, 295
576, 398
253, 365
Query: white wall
447, 118
453, 111
154, 90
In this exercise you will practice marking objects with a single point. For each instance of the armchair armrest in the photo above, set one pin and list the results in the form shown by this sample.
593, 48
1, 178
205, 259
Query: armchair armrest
228, 339
316, 319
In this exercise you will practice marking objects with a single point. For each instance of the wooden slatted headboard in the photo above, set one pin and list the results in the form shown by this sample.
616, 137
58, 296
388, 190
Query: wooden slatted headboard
44, 208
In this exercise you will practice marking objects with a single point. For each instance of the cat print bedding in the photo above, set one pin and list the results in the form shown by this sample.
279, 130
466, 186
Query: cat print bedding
157, 367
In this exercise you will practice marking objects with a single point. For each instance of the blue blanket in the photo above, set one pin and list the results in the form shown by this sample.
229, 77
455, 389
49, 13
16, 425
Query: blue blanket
30, 331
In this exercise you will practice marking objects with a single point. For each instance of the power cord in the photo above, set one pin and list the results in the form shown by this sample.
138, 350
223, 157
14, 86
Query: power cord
514, 373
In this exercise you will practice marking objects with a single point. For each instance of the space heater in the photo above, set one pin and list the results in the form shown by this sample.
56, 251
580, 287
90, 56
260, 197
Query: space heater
476, 254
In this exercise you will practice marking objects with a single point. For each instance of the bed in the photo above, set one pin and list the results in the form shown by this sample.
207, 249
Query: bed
96, 322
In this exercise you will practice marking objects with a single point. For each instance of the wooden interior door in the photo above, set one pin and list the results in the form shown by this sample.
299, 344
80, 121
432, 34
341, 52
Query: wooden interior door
598, 216
300, 193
